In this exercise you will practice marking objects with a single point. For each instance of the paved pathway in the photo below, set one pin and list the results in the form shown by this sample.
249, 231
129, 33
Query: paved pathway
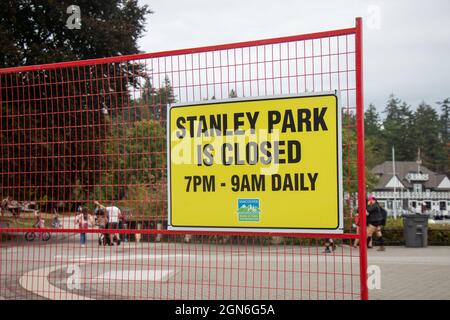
412, 273
405, 273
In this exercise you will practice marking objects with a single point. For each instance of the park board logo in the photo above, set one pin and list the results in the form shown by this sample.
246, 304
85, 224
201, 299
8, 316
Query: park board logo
248, 210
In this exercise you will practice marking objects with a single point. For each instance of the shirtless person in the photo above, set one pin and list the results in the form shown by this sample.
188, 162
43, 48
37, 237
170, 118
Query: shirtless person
113, 213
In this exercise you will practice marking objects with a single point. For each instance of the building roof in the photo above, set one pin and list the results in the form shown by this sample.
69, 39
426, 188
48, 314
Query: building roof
441, 181
402, 168
386, 178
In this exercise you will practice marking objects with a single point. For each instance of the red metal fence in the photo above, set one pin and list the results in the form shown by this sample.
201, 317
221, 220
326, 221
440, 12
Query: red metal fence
77, 132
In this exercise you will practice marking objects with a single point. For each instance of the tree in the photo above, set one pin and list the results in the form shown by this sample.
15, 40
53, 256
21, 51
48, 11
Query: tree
426, 128
35, 32
374, 151
153, 102
372, 122
349, 156
232, 94
375, 145
52, 124
137, 160
398, 131
445, 130
445, 119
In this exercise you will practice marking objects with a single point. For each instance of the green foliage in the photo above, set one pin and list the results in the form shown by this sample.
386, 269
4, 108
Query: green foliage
153, 102
35, 32
145, 202
408, 132
137, 158
435, 237
232, 94
149, 151
438, 234
426, 128
78, 193
445, 131
398, 130
372, 122
445, 119
375, 146
374, 151
349, 156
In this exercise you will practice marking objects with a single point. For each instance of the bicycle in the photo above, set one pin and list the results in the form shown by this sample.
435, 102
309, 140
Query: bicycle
44, 236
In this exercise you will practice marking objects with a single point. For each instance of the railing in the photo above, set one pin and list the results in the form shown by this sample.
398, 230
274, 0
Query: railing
412, 195
432, 213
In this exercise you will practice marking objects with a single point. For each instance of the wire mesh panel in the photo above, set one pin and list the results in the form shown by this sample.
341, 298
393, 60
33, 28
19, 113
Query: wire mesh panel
82, 140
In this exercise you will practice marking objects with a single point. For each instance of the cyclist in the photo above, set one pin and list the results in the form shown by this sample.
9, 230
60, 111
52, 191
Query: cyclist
39, 223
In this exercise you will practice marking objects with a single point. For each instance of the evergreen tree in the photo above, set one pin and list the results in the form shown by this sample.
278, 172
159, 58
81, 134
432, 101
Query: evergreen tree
372, 122
349, 156
445, 131
374, 143
153, 103
232, 94
445, 120
427, 135
398, 130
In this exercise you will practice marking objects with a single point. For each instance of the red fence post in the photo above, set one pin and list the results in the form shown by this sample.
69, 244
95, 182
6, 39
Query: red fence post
361, 163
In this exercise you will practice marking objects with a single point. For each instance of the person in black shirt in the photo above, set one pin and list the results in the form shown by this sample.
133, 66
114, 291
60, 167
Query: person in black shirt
375, 219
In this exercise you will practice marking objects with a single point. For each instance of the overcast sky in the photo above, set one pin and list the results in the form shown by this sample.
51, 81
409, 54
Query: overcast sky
406, 42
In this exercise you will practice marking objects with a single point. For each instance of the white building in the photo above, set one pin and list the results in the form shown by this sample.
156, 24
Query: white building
411, 185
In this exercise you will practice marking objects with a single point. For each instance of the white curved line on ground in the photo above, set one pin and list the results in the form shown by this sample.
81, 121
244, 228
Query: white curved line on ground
36, 281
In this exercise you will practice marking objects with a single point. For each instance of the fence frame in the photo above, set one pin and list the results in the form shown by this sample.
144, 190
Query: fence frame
357, 31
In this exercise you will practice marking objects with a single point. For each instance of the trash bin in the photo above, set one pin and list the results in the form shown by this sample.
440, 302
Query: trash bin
415, 230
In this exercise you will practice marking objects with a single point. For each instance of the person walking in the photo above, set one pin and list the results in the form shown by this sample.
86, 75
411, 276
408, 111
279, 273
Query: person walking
374, 220
330, 246
379, 231
113, 213
82, 222
101, 222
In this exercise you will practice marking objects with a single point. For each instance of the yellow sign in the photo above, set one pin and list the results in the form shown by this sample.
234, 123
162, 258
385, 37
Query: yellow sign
264, 164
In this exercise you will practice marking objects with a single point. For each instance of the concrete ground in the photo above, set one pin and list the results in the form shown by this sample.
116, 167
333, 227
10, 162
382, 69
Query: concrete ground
412, 273
62, 269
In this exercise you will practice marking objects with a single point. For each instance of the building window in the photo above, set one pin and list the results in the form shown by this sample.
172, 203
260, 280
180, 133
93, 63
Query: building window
442, 206
389, 205
417, 187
